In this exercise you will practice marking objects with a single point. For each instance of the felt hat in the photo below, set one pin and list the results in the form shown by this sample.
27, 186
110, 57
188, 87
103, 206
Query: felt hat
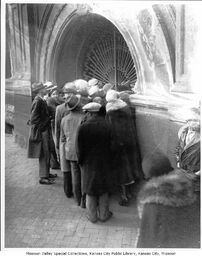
36, 87
124, 96
50, 85
98, 100
92, 82
156, 164
92, 107
72, 102
107, 87
112, 95
93, 91
81, 86
69, 87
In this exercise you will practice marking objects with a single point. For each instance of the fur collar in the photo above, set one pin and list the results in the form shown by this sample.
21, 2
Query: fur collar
115, 105
173, 189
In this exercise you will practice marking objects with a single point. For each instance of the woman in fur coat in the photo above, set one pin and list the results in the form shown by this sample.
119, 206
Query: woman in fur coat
125, 158
169, 207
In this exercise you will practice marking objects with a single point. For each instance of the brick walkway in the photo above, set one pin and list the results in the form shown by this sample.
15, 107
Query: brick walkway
40, 216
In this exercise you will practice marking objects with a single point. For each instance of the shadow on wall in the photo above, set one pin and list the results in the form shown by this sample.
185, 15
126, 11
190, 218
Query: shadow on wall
156, 133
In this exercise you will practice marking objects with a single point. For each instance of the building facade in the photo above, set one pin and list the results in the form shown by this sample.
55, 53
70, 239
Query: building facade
155, 47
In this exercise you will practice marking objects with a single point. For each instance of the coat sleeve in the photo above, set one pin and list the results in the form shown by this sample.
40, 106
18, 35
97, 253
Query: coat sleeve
36, 118
79, 145
62, 134
35, 113
57, 127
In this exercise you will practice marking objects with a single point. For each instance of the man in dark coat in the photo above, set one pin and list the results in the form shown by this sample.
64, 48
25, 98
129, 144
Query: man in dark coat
94, 157
39, 139
169, 206
125, 158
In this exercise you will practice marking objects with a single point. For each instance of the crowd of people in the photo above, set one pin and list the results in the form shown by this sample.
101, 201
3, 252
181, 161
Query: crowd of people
88, 130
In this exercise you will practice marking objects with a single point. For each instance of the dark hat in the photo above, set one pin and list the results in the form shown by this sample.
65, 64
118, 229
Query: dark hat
98, 100
124, 96
72, 102
84, 100
92, 107
36, 87
155, 165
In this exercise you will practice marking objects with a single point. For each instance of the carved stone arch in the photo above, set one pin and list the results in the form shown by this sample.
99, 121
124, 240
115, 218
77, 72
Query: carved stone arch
64, 17
166, 15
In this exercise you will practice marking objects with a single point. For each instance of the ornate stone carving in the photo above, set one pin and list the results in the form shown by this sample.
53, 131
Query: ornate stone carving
146, 28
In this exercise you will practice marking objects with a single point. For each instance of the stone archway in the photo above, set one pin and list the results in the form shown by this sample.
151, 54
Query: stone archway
153, 65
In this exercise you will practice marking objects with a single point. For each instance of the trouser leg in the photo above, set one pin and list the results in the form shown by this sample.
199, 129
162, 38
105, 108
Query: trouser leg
91, 206
44, 159
76, 181
67, 183
83, 195
123, 196
54, 164
103, 207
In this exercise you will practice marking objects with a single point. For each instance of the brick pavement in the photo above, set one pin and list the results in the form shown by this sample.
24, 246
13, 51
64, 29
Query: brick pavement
40, 216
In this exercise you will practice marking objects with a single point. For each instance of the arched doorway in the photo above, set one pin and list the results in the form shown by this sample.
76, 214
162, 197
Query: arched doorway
91, 46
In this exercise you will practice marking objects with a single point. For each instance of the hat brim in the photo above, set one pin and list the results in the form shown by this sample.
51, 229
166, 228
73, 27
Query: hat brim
38, 89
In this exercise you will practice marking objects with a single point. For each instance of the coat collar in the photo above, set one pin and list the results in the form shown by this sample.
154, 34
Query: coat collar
173, 189
115, 105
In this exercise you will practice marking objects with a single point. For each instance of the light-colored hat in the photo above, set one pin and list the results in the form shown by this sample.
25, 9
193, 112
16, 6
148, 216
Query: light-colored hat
72, 102
36, 87
69, 87
81, 86
107, 87
93, 91
92, 107
50, 86
112, 95
93, 82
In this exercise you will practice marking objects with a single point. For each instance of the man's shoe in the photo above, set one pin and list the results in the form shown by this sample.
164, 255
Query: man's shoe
46, 181
52, 176
91, 219
107, 218
69, 195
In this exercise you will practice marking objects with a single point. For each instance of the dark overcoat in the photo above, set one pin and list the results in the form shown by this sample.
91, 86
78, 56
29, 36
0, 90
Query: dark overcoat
169, 209
39, 122
126, 160
94, 155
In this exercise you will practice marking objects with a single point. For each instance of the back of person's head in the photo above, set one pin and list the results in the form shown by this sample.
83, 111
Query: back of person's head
156, 164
